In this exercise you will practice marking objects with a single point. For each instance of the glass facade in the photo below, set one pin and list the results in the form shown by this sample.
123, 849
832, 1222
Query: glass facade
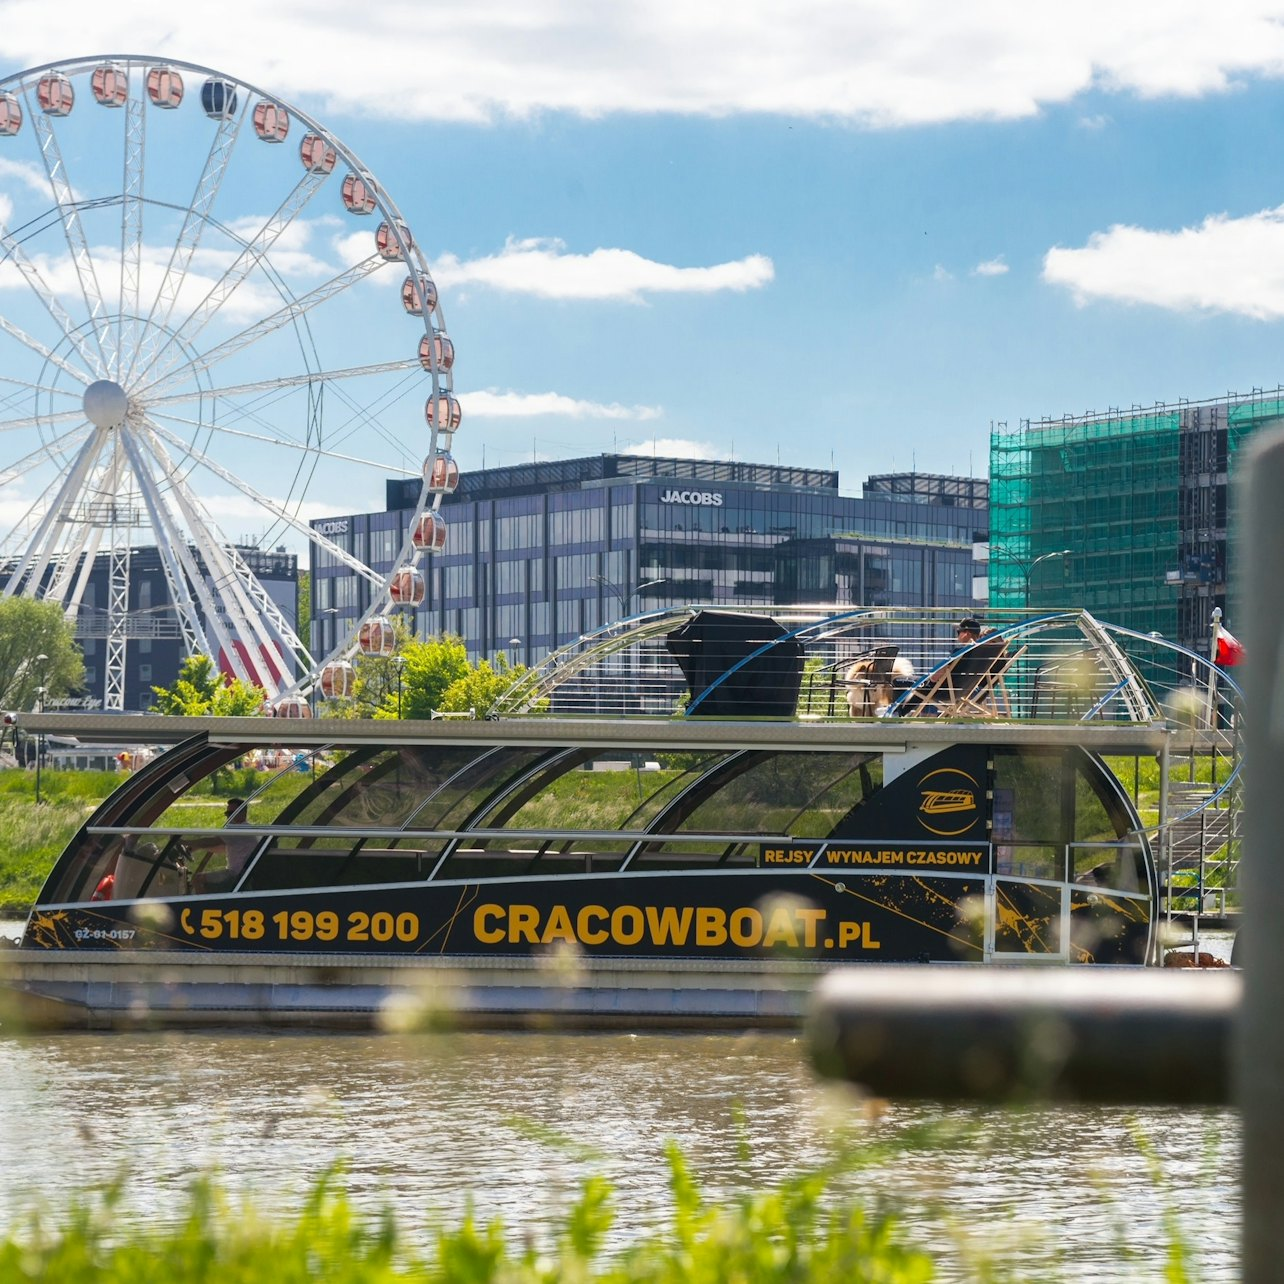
540, 554
1128, 513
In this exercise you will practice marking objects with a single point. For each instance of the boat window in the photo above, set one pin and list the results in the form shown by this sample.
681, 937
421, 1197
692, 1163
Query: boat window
801, 795
378, 787
463, 797
1029, 860
518, 857
341, 861
733, 852
1053, 804
591, 791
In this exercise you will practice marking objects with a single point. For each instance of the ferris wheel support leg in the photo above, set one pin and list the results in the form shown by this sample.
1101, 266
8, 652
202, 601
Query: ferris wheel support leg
171, 540
210, 541
31, 567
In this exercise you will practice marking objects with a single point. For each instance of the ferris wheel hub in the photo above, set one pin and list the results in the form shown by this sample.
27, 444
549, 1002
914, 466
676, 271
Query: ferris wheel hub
106, 404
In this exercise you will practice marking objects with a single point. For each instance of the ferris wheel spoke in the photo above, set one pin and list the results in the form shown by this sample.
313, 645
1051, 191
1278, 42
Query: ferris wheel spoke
287, 444
292, 311
286, 381
189, 238
32, 565
31, 421
131, 227
366, 419
270, 505
74, 232
49, 301
49, 390
48, 354
245, 262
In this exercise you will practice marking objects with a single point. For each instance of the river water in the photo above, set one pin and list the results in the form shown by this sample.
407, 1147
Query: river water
422, 1121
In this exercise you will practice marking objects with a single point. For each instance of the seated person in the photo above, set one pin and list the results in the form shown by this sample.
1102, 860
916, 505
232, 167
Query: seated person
869, 691
955, 682
238, 849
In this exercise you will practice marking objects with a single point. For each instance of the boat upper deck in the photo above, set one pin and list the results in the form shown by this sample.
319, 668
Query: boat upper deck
805, 677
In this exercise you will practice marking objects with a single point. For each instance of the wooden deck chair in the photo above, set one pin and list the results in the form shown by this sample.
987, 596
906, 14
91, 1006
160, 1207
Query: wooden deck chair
988, 698
964, 686
869, 681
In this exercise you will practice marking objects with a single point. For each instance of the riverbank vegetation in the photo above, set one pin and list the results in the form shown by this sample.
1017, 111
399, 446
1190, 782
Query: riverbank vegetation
791, 1233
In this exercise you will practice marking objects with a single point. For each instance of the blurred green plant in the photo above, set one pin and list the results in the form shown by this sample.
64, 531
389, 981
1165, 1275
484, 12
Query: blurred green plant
792, 1233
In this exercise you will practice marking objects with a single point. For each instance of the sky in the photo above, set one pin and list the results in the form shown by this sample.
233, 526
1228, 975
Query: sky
851, 234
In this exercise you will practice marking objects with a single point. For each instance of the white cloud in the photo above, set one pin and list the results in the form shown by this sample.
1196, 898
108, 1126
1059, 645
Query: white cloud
491, 404
294, 254
27, 173
1224, 265
866, 61
991, 267
941, 273
674, 448
543, 268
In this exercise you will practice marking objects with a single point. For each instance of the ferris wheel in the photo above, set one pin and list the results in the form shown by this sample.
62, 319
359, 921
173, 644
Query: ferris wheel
197, 285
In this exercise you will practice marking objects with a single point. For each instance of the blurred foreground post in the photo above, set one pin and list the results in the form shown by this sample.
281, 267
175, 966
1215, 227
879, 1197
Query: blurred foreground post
1259, 1049
1028, 1033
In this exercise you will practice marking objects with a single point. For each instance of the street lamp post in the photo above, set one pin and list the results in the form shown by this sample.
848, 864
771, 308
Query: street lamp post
40, 735
400, 662
624, 594
1027, 568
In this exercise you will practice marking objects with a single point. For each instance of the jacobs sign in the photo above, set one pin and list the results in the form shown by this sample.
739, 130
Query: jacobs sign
708, 498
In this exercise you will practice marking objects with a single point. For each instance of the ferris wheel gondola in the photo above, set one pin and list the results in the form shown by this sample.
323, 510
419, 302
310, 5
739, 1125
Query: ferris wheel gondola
188, 334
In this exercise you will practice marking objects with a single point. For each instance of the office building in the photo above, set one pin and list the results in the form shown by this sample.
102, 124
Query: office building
539, 554
1128, 513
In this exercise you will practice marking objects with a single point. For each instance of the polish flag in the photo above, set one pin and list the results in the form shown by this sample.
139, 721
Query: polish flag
1230, 650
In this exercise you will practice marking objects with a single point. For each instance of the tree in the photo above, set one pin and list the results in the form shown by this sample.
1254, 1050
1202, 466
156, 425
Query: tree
202, 691
423, 677
431, 668
480, 688
303, 608
28, 631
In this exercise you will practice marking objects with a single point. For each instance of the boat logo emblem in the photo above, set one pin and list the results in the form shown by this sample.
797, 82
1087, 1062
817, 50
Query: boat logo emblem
947, 805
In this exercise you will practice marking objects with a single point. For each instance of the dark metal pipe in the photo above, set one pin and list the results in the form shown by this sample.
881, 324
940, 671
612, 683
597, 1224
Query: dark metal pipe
1259, 1060
1002, 1034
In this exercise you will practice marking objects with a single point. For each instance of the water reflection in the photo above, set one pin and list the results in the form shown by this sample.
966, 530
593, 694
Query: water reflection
422, 1121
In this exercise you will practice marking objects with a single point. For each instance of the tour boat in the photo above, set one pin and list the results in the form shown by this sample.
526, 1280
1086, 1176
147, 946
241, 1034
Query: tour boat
813, 783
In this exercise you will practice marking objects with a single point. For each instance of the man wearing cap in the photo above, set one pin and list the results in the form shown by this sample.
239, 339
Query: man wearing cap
968, 632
